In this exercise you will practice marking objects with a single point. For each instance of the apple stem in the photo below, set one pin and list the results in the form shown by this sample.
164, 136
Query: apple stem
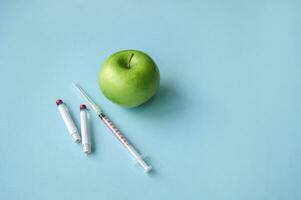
129, 63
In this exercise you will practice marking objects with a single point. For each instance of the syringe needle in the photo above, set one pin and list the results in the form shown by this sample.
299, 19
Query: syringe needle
85, 96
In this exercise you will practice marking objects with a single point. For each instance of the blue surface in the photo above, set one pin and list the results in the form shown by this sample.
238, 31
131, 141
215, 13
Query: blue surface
224, 125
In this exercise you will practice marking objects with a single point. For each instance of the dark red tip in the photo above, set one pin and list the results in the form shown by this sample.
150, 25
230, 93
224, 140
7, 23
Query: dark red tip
59, 102
82, 106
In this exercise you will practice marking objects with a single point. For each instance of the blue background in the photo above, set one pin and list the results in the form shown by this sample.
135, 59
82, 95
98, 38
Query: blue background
225, 123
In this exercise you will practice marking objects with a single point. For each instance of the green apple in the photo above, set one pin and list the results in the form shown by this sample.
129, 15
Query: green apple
129, 78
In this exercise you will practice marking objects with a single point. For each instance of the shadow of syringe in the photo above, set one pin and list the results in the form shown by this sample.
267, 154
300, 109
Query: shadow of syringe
114, 130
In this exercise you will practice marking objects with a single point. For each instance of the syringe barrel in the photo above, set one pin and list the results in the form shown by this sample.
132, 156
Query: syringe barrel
125, 143
65, 114
84, 124
114, 130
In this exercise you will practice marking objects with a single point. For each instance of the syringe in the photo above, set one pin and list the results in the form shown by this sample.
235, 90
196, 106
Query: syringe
115, 131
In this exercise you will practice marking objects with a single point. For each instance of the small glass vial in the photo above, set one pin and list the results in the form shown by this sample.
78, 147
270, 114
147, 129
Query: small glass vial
68, 120
84, 125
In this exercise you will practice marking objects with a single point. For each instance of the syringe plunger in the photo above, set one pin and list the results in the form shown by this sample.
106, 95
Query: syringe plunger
139, 159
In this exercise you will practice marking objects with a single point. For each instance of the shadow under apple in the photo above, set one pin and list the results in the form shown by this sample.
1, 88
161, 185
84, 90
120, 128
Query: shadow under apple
165, 102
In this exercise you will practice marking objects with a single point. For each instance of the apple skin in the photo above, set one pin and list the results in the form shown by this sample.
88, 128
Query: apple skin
129, 78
